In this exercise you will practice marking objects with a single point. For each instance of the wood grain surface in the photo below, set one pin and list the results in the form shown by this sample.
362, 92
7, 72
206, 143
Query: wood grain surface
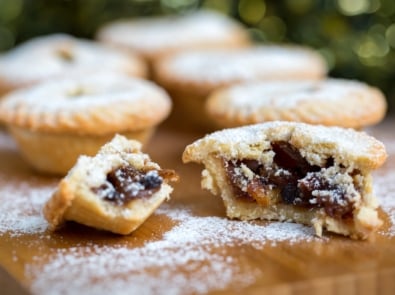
91, 261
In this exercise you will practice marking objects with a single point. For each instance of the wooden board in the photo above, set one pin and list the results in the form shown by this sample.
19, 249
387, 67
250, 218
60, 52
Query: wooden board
187, 246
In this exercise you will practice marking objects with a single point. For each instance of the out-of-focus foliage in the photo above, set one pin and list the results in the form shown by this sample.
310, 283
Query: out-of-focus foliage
357, 37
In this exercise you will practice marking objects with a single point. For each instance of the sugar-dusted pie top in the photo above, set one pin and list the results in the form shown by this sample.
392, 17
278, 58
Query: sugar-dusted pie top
315, 142
268, 62
116, 153
287, 94
166, 33
62, 55
99, 104
331, 102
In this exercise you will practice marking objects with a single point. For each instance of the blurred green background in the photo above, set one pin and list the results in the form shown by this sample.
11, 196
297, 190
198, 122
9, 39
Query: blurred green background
357, 37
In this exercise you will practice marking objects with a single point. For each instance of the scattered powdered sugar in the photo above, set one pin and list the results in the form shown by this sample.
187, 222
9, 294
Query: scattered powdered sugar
220, 231
104, 270
21, 201
384, 187
21, 206
190, 258
384, 178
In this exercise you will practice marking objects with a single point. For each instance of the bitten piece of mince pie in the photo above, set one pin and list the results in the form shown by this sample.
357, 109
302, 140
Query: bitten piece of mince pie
116, 190
314, 175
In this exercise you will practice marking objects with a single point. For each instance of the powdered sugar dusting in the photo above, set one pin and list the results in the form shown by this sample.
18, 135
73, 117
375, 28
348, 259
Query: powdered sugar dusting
103, 103
384, 187
384, 178
260, 62
221, 231
347, 144
21, 206
290, 94
80, 93
21, 201
188, 259
42, 58
161, 33
107, 270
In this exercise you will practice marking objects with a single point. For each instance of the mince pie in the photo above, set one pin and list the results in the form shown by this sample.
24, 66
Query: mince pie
116, 190
58, 120
337, 102
286, 171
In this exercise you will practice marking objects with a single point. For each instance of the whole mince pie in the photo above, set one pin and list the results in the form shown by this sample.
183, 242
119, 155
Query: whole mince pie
286, 171
56, 121
116, 190
330, 102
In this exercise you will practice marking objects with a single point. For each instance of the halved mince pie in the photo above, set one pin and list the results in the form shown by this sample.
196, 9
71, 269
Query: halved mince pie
116, 190
297, 172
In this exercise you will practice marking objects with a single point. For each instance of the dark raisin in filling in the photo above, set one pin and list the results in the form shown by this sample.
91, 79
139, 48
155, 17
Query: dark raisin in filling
127, 183
298, 182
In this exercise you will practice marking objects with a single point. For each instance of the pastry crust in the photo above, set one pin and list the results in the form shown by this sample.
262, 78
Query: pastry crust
57, 121
190, 77
156, 37
76, 199
335, 102
60, 56
341, 158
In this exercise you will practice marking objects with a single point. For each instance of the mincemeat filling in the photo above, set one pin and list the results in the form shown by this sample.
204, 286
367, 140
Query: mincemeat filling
127, 183
296, 181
